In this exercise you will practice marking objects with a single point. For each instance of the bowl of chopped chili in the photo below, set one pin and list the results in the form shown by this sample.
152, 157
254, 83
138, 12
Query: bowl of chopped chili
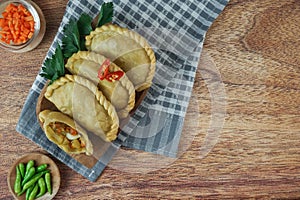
22, 25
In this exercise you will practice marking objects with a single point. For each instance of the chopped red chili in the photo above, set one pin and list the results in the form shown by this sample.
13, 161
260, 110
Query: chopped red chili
104, 72
114, 76
104, 69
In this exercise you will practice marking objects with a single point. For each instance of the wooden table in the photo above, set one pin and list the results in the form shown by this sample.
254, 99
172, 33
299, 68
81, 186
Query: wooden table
248, 78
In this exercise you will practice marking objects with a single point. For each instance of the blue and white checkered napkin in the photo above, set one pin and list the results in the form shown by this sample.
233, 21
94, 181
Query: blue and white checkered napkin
175, 30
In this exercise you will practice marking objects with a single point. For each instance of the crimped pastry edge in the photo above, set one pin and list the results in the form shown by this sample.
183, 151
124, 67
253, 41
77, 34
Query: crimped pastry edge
137, 38
112, 133
124, 81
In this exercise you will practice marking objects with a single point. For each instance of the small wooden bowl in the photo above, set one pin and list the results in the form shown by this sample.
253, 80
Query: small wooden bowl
38, 160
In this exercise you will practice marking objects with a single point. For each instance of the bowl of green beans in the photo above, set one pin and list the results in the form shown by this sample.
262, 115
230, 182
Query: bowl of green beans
34, 176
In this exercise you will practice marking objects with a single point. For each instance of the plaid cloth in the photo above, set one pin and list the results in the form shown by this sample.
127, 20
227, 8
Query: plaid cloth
175, 30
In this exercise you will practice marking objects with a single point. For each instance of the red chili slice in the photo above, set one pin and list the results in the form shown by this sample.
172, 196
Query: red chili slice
104, 69
114, 76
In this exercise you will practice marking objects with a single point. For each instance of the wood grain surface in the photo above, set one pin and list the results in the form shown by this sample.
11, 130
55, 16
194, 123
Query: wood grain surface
241, 137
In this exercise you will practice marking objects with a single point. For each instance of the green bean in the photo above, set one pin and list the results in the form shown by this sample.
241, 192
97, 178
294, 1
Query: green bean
34, 179
41, 167
17, 185
28, 175
22, 169
20, 193
33, 192
48, 182
29, 165
42, 187
28, 191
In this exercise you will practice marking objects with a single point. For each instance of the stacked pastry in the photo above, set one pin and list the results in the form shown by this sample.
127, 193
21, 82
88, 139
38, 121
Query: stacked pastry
100, 90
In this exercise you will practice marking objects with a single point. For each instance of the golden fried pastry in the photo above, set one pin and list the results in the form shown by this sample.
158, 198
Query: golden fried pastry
111, 79
128, 50
80, 99
62, 130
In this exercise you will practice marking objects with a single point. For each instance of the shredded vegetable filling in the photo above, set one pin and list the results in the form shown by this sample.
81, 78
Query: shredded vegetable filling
68, 135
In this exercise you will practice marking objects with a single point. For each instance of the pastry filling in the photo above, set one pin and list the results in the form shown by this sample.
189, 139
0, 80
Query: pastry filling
68, 135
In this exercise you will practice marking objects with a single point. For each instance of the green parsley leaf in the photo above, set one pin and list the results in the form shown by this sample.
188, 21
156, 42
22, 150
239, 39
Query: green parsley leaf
71, 39
54, 67
106, 13
75, 32
84, 24
74, 41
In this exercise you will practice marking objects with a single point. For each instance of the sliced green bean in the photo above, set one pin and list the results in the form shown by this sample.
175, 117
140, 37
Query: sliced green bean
42, 186
48, 182
20, 193
41, 167
29, 165
34, 179
30, 173
17, 185
28, 191
34, 192
22, 169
